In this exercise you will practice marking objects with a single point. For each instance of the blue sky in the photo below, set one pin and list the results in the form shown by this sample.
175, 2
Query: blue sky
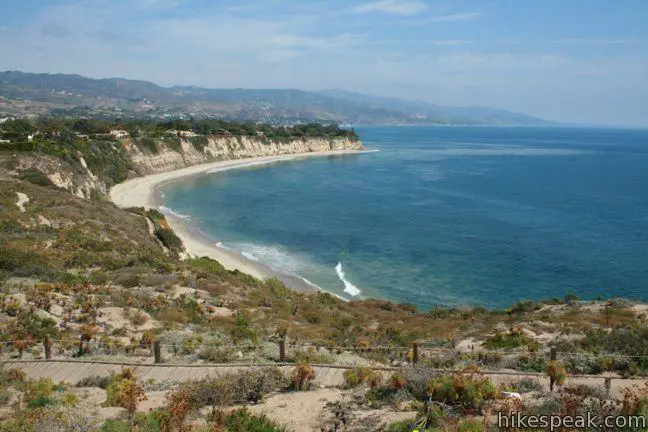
583, 61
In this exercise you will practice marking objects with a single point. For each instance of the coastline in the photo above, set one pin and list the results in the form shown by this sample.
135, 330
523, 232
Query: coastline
144, 192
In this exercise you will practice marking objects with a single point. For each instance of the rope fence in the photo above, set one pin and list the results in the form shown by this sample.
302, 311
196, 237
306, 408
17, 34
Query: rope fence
413, 352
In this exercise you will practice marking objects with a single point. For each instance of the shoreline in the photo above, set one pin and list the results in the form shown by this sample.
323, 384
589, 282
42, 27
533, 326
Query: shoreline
144, 192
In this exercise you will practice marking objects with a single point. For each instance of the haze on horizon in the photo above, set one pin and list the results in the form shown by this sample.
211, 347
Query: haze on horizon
582, 61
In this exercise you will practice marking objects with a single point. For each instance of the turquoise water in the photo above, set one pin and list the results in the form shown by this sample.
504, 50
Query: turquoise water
445, 215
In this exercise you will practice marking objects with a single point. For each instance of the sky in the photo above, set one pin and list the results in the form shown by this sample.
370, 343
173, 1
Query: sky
574, 61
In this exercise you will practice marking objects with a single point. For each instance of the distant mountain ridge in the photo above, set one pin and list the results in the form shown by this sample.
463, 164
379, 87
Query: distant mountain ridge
62, 94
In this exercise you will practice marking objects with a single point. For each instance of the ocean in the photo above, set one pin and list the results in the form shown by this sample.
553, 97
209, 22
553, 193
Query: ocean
444, 215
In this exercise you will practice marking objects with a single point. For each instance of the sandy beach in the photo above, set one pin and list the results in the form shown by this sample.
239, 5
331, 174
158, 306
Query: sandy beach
143, 192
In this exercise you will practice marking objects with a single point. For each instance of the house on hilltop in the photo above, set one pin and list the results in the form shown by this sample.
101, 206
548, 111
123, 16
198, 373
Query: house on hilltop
182, 133
119, 134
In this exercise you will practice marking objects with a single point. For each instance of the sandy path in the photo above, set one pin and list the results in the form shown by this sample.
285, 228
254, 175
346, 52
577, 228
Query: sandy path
73, 371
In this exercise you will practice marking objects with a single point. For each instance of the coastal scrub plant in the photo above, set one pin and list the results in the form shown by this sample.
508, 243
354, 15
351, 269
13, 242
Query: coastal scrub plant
242, 421
128, 395
178, 407
362, 375
556, 372
241, 330
398, 381
302, 376
467, 388
512, 339
113, 386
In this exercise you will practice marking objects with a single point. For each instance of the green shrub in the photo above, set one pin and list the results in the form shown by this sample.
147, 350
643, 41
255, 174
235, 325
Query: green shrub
113, 388
241, 330
470, 426
25, 263
95, 381
35, 176
191, 343
417, 379
468, 388
380, 396
506, 340
242, 421
243, 387
217, 354
532, 363
361, 375
489, 358
556, 370
41, 389
41, 402
115, 426
169, 239
302, 376
526, 385
401, 426
627, 340
12, 376
206, 265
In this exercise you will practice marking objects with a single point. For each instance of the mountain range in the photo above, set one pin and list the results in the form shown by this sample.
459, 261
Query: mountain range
61, 94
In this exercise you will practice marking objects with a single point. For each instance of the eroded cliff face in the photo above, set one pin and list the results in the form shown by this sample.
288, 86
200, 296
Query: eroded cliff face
74, 176
223, 148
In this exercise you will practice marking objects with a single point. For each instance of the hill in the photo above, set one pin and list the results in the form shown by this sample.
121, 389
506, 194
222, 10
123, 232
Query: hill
73, 95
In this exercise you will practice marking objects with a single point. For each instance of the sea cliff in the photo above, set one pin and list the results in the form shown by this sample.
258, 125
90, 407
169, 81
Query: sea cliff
129, 158
226, 148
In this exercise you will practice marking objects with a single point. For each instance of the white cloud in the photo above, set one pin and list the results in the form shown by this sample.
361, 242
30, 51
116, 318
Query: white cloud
593, 41
452, 42
467, 16
335, 42
393, 7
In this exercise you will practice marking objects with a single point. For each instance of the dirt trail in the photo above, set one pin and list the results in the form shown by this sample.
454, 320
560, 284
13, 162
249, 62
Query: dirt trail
72, 371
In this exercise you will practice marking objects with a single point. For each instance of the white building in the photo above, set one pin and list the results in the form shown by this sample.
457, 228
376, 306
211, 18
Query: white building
182, 133
119, 134
187, 134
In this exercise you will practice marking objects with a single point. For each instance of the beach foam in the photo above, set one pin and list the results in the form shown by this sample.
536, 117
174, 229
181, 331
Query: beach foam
273, 256
168, 211
349, 288
250, 164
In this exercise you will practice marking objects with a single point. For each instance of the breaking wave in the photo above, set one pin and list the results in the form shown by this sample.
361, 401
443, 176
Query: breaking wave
349, 288
168, 211
273, 256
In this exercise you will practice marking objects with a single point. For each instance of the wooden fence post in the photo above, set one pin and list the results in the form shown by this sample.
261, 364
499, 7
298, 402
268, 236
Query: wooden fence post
48, 348
552, 357
282, 350
608, 385
157, 352
415, 353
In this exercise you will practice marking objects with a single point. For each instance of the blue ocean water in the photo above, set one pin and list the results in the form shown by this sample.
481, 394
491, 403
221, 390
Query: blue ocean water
445, 215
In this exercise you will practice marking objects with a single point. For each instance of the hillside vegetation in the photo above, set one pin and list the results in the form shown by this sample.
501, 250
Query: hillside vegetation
87, 156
